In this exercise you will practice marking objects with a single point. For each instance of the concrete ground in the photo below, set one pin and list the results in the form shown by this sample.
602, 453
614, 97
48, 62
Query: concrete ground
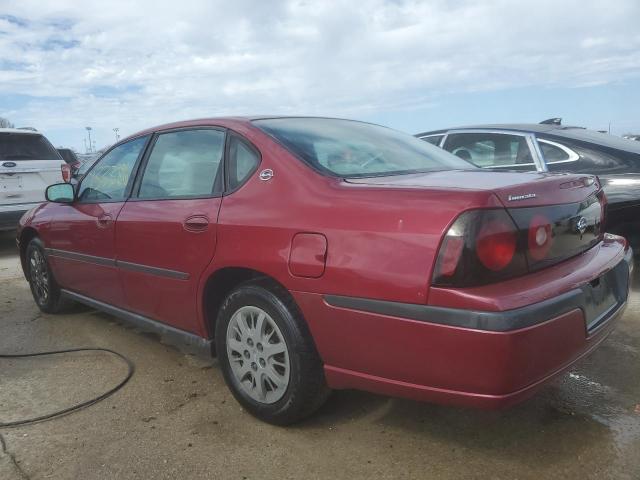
176, 419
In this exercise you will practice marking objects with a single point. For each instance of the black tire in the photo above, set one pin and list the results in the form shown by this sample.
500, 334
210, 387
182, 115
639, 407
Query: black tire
306, 390
40, 276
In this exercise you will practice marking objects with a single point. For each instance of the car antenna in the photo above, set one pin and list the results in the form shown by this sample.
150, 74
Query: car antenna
552, 121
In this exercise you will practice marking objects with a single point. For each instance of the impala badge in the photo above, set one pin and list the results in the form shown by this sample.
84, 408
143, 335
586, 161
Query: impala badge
581, 226
513, 198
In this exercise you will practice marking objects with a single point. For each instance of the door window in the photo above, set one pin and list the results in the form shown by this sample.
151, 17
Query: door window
242, 162
108, 180
492, 150
556, 153
433, 139
184, 164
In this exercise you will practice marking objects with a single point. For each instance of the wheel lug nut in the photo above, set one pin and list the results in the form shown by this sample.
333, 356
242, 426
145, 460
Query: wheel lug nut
246, 354
262, 363
249, 342
259, 347
254, 367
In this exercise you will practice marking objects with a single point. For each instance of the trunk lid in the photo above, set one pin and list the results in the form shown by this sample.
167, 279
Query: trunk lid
556, 216
514, 189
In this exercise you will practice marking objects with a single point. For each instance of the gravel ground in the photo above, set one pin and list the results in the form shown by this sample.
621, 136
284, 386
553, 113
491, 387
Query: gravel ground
176, 419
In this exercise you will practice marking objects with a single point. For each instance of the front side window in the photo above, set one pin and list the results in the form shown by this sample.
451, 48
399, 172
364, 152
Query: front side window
346, 148
492, 150
183, 164
108, 180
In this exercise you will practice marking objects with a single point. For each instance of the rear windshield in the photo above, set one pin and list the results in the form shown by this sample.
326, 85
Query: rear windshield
21, 146
347, 148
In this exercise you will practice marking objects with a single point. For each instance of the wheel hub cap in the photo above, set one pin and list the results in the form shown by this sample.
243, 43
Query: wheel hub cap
258, 354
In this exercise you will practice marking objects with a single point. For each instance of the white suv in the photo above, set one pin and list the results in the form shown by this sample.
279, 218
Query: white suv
28, 164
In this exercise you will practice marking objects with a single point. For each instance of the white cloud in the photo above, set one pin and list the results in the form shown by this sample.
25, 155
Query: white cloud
135, 64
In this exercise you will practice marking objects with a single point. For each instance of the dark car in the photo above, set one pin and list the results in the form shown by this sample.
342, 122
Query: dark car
69, 156
318, 253
553, 147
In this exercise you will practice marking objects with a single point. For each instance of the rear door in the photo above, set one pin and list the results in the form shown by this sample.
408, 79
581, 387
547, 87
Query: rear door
166, 233
82, 234
28, 164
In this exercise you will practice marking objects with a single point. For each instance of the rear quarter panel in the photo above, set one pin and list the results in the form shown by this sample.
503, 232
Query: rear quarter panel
381, 241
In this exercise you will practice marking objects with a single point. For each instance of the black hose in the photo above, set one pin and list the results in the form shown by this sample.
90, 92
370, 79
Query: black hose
79, 406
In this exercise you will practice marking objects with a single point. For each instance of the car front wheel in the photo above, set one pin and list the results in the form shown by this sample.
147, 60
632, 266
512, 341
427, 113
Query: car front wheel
267, 355
44, 288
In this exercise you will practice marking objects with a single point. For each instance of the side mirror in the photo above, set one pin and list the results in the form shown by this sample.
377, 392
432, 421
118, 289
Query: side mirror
60, 193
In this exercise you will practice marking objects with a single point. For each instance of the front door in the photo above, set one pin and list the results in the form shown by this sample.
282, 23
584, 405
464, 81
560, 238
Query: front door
166, 232
81, 244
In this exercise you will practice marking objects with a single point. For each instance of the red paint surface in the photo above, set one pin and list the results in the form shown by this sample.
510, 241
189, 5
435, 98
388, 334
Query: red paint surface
308, 255
87, 229
160, 233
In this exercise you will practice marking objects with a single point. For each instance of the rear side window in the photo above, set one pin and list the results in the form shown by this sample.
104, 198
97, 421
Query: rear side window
552, 153
25, 146
491, 150
351, 149
242, 162
183, 164
433, 139
108, 180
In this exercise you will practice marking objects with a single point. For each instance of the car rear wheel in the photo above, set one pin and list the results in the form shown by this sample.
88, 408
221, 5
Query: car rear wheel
267, 355
44, 288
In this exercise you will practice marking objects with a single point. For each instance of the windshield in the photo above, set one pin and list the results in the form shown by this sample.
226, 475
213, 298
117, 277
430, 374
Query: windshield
26, 146
347, 148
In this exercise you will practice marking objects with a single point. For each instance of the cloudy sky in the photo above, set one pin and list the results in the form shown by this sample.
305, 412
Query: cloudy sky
412, 65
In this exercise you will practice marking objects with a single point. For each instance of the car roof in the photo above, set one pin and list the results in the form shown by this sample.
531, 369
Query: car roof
564, 131
19, 130
226, 121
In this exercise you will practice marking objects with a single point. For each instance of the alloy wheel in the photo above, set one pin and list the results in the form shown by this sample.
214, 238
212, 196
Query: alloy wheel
39, 276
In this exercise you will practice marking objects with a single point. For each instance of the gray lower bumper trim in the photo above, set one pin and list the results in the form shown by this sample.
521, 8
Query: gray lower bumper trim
186, 341
585, 298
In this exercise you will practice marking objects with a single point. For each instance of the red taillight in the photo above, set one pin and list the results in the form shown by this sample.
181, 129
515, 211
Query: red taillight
496, 244
540, 237
66, 172
490, 245
479, 248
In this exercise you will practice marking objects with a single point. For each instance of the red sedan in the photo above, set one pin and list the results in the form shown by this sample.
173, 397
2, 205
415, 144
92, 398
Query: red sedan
315, 253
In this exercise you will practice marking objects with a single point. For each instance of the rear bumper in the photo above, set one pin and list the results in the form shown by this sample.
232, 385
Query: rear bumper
10, 216
485, 359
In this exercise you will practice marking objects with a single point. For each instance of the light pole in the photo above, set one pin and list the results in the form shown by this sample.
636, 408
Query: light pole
116, 130
89, 133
